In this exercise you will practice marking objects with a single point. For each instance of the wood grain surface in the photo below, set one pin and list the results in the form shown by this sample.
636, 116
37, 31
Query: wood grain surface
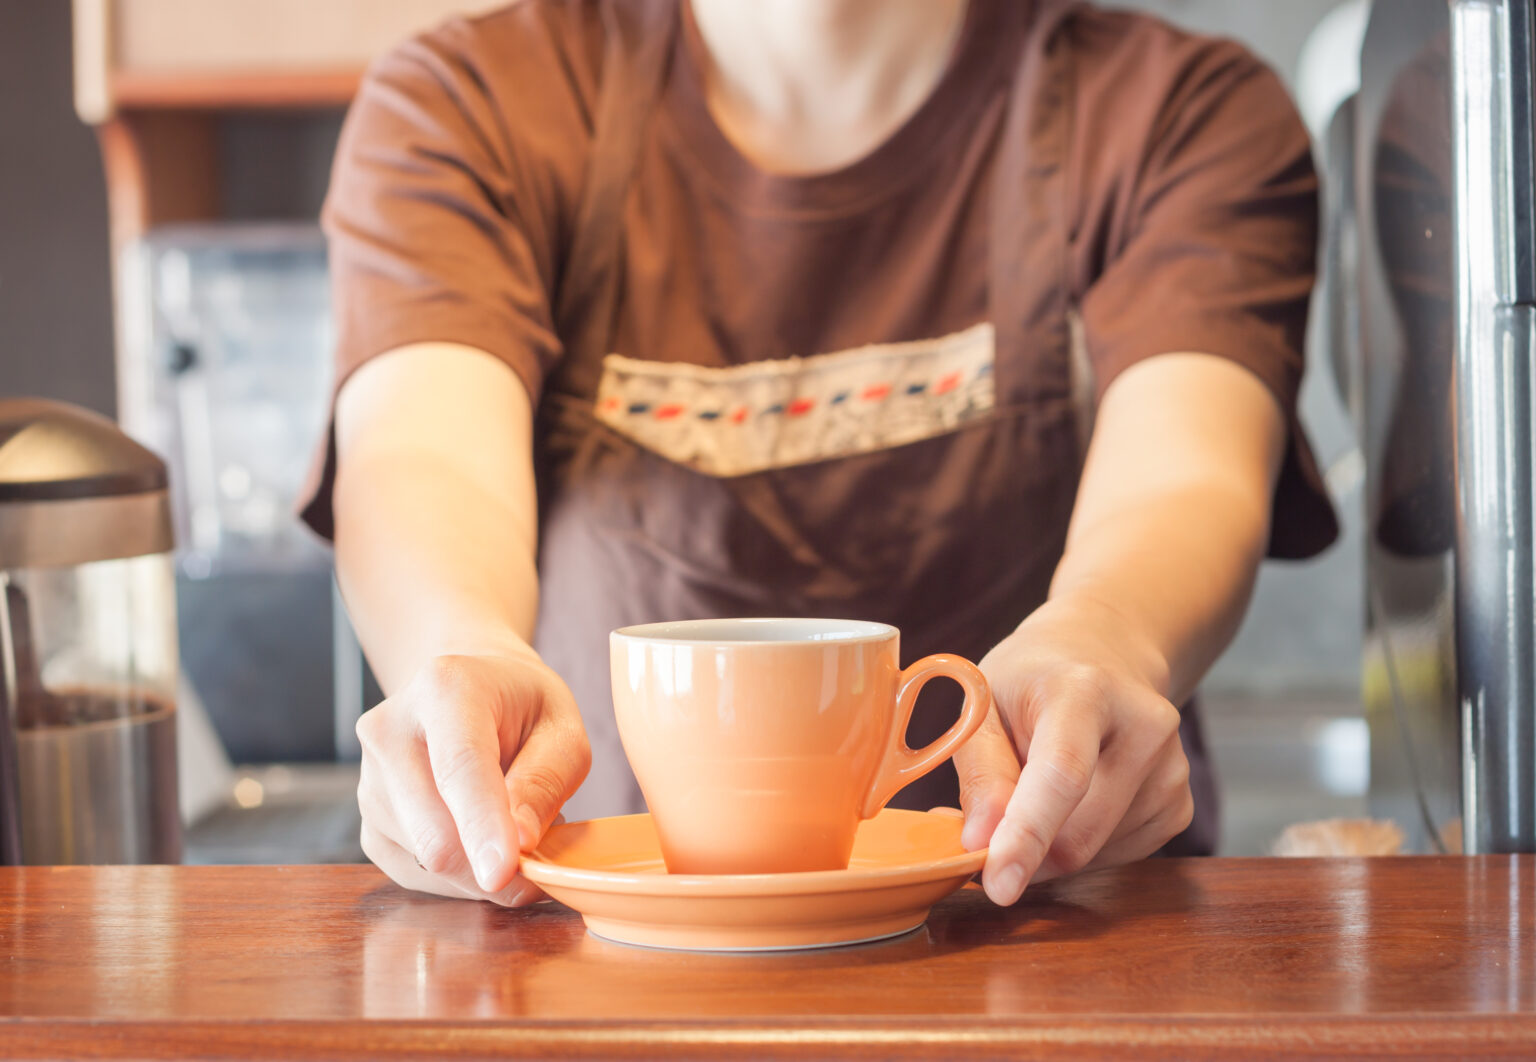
1394, 957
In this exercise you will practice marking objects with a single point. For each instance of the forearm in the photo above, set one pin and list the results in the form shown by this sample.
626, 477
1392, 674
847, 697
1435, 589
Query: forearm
477, 745
1174, 573
1084, 765
425, 566
1173, 514
435, 510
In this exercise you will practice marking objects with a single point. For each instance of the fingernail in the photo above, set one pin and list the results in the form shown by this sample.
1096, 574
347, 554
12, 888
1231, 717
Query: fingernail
528, 832
1007, 885
488, 863
973, 836
518, 897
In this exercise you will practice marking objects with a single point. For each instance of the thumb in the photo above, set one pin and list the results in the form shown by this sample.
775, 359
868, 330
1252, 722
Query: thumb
549, 767
989, 771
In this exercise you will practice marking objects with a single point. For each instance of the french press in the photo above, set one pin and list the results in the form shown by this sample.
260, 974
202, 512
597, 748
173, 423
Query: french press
87, 643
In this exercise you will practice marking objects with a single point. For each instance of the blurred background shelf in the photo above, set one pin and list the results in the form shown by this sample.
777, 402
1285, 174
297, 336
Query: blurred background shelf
159, 78
232, 53
233, 90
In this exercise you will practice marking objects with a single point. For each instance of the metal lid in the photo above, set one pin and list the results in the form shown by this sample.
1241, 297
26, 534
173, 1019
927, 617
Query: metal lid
74, 489
50, 451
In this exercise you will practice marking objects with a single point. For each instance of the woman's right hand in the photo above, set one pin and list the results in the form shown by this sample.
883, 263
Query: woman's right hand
465, 768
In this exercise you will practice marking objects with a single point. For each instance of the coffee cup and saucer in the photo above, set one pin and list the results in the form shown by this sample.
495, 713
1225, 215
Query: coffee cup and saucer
766, 750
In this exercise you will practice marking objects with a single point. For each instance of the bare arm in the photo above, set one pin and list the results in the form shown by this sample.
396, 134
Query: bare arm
478, 743
1173, 512
1170, 525
436, 519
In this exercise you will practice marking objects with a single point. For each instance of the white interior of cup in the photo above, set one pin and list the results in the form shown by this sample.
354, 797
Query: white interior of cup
760, 631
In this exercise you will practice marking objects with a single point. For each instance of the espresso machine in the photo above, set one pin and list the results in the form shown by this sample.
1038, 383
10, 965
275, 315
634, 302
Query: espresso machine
88, 660
1431, 197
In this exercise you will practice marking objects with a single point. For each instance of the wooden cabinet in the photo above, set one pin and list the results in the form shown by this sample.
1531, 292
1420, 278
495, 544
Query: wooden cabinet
212, 53
171, 85
155, 76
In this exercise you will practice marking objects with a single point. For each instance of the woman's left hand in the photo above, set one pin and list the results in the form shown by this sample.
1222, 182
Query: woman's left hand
1077, 701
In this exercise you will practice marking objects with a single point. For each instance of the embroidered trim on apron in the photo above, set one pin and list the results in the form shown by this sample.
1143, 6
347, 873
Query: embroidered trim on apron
790, 411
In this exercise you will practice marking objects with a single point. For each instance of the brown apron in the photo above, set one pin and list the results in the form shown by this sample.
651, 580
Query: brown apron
953, 539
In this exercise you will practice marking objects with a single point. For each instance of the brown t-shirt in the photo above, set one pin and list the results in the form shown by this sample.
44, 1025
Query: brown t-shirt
768, 323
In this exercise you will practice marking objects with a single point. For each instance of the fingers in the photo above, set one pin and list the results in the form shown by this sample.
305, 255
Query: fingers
549, 767
1144, 840
1161, 810
988, 770
464, 751
400, 805
1131, 754
407, 829
398, 863
448, 761
1058, 769
402, 868
401, 802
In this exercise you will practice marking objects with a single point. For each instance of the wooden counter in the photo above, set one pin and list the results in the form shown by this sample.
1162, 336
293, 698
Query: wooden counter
1405, 957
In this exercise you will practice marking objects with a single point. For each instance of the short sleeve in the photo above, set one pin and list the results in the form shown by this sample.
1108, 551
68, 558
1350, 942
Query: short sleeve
438, 225
1199, 234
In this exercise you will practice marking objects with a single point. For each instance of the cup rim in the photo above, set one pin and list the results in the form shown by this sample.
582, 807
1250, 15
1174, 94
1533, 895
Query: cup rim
696, 632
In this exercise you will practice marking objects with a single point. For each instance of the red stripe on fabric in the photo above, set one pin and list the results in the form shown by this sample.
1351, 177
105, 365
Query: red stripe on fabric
947, 383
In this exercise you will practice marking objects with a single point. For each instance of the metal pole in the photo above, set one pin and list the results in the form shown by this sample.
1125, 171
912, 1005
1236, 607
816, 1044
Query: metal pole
1495, 183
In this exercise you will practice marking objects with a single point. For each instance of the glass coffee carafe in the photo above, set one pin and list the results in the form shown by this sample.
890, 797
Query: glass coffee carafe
87, 643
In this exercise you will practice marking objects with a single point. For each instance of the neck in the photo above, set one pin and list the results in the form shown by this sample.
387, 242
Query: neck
802, 85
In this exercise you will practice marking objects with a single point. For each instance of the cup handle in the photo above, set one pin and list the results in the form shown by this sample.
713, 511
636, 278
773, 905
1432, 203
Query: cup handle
902, 765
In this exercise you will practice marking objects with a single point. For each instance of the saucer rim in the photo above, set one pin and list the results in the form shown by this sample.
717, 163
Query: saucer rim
805, 882
759, 949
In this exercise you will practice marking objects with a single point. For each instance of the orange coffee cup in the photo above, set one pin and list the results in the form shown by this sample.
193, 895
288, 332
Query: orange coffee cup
760, 744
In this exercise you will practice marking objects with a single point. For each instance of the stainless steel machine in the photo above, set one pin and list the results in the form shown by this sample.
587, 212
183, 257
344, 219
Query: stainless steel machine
1432, 205
87, 643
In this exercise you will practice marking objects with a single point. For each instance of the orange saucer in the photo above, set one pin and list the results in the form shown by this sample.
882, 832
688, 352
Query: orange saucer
611, 871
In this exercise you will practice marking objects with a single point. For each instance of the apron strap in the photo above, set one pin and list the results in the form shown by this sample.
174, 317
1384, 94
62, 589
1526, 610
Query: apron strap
639, 39
1029, 216
1029, 237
